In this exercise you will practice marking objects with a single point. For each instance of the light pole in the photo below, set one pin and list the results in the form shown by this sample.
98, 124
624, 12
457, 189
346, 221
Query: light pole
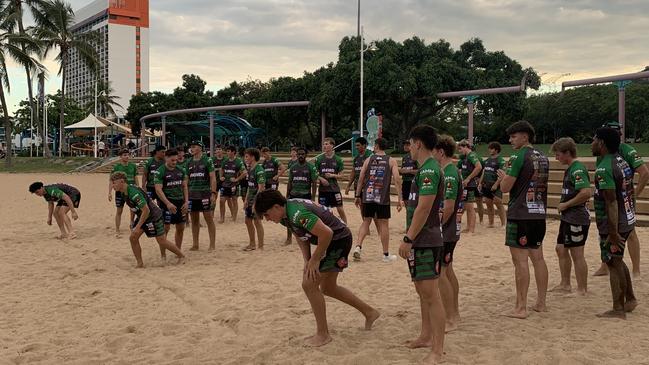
31, 131
370, 47
95, 123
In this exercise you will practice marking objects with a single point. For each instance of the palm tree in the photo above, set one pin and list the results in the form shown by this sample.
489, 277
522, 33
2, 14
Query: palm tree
54, 22
13, 10
11, 47
106, 101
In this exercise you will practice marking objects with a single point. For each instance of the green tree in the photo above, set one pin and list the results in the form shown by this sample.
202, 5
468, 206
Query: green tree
54, 29
106, 100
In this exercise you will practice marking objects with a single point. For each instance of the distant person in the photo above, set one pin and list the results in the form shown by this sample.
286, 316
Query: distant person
314, 225
302, 182
67, 199
407, 171
330, 168
150, 169
243, 184
202, 194
171, 185
130, 169
256, 184
362, 154
470, 167
101, 146
273, 169
232, 172
490, 184
148, 219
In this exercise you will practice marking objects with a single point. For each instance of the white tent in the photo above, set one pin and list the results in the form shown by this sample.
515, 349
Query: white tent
90, 122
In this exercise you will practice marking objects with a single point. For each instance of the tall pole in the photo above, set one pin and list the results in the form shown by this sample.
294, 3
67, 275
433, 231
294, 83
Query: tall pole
211, 119
143, 136
31, 131
360, 121
470, 104
621, 101
164, 131
358, 22
94, 121
323, 122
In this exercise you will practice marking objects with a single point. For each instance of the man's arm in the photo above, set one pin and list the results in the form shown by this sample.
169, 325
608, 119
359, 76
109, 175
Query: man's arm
162, 196
144, 215
396, 179
610, 201
474, 173
643, 178
50, 211
282, 170
352, 176
449, 207
185, 193
582, 196
420, 216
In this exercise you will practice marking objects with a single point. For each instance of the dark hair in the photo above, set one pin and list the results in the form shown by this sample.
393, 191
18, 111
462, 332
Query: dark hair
171, 152
252, 152
563, 145
361, 140
267, 199
159, 148
231, 149
610, 137
382, 143
330, 140
464, 143
294, 148
218, 146
123, 151
406, 142
265, 149
425, 134
495, 146
298, 149
522, 126
242, 151
447, 144
35, 186
119, 175
181, 149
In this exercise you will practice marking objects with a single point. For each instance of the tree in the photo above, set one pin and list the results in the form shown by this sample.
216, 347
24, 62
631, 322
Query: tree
11, 48
54, 29
106, 101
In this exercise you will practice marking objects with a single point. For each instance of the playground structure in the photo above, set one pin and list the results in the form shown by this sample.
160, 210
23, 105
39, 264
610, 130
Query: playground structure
621, 81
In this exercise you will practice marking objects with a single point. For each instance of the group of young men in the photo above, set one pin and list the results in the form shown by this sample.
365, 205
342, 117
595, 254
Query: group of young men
435, 191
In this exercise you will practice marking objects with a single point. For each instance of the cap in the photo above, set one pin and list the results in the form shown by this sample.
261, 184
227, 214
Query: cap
613, 125
197, 143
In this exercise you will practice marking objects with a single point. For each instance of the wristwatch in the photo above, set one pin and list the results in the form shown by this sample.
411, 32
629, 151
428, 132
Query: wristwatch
407, 239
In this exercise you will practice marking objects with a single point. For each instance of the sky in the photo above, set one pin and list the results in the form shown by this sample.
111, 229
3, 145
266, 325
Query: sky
227, 40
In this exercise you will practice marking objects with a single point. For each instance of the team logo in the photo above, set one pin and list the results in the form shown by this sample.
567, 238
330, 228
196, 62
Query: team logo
523, 240
427, 181
578, 178
304, 222
449, 185
342, 263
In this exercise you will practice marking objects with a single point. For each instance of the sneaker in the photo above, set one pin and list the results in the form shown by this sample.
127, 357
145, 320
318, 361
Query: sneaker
357, 253
389, 258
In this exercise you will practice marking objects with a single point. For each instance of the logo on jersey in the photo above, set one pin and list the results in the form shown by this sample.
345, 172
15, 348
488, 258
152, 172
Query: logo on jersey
523, 241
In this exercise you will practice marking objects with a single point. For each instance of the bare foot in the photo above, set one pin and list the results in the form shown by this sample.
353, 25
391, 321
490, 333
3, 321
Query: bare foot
370, 319
491, 226
249, 248
181, 260
613, 314
561, 288
140, 266
636, 275
287, 242
419, 343
317, 340
466, 231
538, 307
221, 221
602, 271
630, 305
582, 292
212, 248
194, 248
261, 247
432, 359
450, 327
61, 237
72, 235
519, 314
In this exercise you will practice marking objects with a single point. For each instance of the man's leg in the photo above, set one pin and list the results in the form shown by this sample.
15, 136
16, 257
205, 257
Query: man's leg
118, 220
541, 276
450, 274
316, 299
196, 229
618, 288
234, 208
446, 293
630, 300
425, 338
341, 213
163, 251
383, 226
501, 211
330, 288
363, 230
163, 242
470, 217
522, 274
60, 221
67, 221
478, 201
565, 267
581, 269
633, 245
429, 291
251, 234
222, 209
137, 250
259, 227
180, 231
490, 211
211, 228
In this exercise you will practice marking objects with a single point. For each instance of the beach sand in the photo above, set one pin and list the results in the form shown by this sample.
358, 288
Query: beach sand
83, 302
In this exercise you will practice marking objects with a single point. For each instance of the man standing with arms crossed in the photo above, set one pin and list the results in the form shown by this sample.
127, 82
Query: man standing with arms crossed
330, 168
273, 169
615, 217
470, 167
202, 193
302, 182
130, 169
173, 194
526, 181
423, 246
355, 173
150, 168
231, 174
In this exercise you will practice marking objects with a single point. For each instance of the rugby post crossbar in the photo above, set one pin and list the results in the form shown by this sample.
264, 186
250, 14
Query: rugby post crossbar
621, 81
210, 109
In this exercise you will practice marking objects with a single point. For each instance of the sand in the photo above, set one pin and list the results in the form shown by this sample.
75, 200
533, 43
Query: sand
82, 301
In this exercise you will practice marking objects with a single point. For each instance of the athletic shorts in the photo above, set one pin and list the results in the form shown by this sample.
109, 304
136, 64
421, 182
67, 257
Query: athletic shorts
526, 234
331, 199
605, 247
152, 194
76, 200
469, 194
336, 257
173, 218
243, 190
119, 200
153, 228
405, 190
300, 196
425, 263
227, 192
219, 184
249, 212
271, 186
449, 249
490, 194
572, 235
373, 210
200, 205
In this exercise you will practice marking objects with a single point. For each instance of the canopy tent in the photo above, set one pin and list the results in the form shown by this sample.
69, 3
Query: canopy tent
90, 122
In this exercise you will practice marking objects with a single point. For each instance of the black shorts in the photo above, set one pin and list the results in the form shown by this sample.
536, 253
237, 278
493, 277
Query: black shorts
490, 194
572, 235
152, 228
336, 258
300, 196
449, 249
605, 247
249, 212
152, 194
469, 194
425, 263
174, 218
243, 190
526, 234
373, 210
227, 192
405, 190
271, 186
76, 200
200, 205
119, 200
330, 199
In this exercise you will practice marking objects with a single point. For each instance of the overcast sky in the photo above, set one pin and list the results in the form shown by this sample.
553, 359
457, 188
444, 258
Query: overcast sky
227, 40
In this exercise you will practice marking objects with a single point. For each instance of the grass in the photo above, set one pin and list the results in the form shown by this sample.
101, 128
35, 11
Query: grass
41, 164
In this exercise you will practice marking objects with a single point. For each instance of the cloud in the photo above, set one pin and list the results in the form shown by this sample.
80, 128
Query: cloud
229, 40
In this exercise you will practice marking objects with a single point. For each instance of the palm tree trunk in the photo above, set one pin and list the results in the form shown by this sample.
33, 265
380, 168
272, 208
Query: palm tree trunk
64, 64
7, 124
